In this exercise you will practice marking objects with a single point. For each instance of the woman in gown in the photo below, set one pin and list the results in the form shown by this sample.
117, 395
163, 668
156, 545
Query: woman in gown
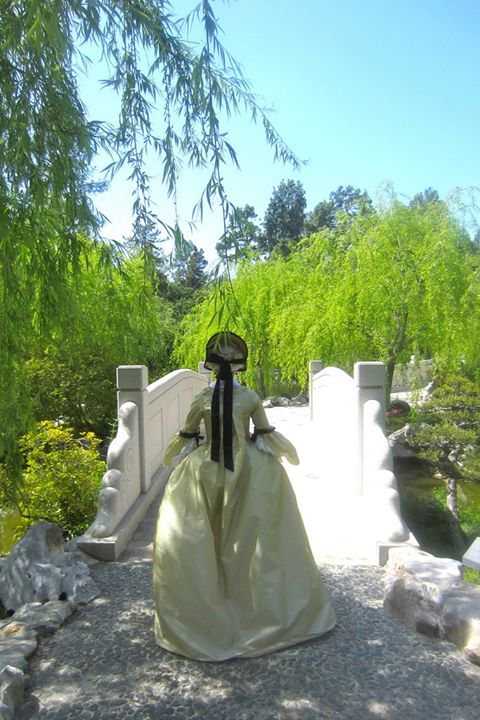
233, 572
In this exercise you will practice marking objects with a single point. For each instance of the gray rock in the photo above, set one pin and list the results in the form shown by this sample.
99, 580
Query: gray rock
429, 595
38, 569
13, 658
425, 567
18, 642
79, 585
12, 685
18, 639
43, 618
399, 444
274, 401
461, 620
299, 401
413, 603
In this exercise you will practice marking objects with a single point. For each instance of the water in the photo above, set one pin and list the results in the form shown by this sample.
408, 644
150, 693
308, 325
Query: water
426, 516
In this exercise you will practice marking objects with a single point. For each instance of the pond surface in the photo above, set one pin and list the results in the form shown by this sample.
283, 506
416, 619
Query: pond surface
426, 516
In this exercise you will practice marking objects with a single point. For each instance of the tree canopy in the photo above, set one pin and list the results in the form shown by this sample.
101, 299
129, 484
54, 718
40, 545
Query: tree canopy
386, 286
284, 220
343, 204
241, 236
421, 199
174, 99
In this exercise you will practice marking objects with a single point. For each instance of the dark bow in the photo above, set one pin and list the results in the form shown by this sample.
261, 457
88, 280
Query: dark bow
225, 374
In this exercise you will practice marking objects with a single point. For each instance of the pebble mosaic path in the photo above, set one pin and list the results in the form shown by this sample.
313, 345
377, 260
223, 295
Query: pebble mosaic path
103, 664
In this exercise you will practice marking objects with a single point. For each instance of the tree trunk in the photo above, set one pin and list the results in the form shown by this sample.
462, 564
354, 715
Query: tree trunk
458, 536
261, 382
389, 378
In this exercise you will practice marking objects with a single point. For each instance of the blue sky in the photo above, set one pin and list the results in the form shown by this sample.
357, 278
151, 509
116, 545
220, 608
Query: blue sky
366, 91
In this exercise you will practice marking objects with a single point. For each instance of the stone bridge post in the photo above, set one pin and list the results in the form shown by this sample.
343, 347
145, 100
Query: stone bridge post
370, 383
314, 367
204, 371
132, 382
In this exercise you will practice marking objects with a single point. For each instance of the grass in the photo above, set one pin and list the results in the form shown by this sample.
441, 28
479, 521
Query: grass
471, 576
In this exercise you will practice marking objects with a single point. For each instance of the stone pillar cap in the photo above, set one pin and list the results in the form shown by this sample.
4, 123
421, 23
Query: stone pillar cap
132, 377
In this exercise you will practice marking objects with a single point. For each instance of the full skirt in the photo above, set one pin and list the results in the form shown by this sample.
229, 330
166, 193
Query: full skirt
233, 571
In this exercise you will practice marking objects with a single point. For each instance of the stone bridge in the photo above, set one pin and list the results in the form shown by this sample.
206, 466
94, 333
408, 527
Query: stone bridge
345, 486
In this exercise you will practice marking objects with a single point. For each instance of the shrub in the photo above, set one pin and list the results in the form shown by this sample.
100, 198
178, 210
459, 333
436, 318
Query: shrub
61, 477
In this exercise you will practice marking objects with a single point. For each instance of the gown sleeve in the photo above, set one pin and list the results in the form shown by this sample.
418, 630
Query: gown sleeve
270, 440
187, 438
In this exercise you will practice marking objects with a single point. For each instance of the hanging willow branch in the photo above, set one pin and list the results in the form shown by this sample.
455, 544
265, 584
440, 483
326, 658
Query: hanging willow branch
173, 98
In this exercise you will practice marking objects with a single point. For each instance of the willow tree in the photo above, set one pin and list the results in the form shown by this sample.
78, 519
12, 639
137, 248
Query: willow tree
233, 305
173, 99
390, 285
408, 281
395, 284
70, 373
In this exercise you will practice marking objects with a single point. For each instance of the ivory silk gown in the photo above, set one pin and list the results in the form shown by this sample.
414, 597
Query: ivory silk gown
233, 572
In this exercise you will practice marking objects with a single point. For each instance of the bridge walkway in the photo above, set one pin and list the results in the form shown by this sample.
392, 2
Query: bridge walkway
334, 519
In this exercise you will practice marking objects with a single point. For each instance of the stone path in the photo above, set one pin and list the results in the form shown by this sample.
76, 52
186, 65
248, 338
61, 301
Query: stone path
103, 664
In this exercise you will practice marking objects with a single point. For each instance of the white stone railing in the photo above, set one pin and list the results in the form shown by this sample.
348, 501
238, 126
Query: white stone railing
412, 375
148, 416
353, 449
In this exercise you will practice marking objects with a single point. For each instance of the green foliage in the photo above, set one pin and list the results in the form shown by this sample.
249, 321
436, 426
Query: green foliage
422, 199
241, 236
472, 576
470, 519
447, 429
445, 432
113, 317
247, 310
61, 478
110, 316
170, 97
189, 265
284, 218
9, 521
343, 205
384, 286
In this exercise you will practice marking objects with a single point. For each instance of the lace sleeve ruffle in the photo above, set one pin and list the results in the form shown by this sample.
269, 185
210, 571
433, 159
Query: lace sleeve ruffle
271, 441
181, 445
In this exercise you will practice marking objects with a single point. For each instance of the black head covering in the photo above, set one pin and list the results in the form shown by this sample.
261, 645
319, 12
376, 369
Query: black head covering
223, 350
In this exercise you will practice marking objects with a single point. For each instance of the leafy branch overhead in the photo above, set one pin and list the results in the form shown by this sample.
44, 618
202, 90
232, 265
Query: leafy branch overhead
174, 99
164, 83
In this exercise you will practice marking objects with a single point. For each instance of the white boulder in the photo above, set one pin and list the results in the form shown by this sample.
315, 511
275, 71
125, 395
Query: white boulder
38, 569
429, 595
